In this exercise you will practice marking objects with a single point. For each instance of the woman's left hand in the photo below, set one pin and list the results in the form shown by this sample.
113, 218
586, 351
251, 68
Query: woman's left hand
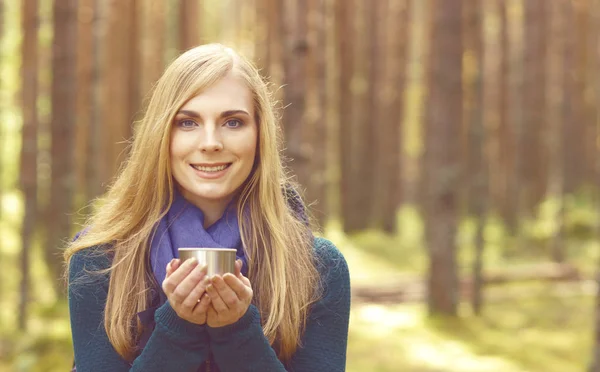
230, 297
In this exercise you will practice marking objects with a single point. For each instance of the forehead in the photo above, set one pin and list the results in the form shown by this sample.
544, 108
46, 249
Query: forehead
229, 93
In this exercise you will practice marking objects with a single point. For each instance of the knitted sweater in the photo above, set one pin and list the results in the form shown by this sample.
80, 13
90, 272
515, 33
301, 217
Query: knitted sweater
178, 345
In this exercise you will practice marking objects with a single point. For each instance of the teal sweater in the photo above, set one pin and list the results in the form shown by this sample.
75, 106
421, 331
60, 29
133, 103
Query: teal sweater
177, 345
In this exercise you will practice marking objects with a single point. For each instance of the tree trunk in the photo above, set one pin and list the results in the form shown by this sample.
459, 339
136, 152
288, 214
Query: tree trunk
345, 32
295, 46
316, 104
595, 363
28, 175
62, 124
534, 150
556, 123
387, 72
118, 92
476, 163
515, 25
189, 31
442, 156
153, 44
85, 99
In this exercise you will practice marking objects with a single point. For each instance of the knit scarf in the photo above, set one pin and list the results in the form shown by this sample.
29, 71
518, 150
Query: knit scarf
183, 226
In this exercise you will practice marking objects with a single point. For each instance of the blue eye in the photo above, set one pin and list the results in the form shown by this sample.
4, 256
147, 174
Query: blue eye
233, 123
186, 123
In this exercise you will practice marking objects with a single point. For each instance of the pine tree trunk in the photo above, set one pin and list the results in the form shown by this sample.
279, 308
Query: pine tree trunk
85, 99
477, 187
316, 104
28, 175
189, 31
62, 124
442, 156
534, 151
295, 46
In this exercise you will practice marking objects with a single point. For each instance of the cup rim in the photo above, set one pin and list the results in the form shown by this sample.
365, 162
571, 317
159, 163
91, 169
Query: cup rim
207, 249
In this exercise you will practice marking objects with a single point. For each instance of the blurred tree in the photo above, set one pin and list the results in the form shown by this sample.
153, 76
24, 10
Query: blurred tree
119, 87
506, 137
442, 156
189, 22
28, 174
575, 152
515, 115
345, 33
153, 37
389, 33
295, 50
86, 69
533, 150
594, 365
316, 138
557, 125
62, 127
476, 160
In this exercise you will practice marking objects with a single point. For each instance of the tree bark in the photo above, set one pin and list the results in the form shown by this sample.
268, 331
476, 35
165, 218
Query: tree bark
316, 104
28, 174
476, 159
189, 32
534, 151
295, 46
62, 124
86, 49
118, 102
442, 156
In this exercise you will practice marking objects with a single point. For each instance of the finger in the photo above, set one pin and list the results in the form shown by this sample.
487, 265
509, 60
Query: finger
225, 292
188, 284
196, 293
241, 289
215, 299
238, 267
202, 306
170, 283
172, 266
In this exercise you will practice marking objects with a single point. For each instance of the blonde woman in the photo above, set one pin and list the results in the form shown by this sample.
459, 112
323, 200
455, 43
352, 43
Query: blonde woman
205, 170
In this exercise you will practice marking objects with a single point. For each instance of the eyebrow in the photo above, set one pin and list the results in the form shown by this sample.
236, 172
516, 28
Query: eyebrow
223, 114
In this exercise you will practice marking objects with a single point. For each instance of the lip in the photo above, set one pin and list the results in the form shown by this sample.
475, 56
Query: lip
210, 175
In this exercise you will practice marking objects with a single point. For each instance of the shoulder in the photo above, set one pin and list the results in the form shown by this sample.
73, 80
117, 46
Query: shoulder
87, 266
328, 254
331, 262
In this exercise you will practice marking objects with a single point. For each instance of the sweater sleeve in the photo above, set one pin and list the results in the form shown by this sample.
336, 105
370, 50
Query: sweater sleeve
325, 339
175, 344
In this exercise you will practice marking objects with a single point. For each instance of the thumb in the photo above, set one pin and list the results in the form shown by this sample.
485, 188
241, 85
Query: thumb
238, 267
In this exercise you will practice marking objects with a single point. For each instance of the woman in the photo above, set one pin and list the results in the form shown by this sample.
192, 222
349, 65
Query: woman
205, 170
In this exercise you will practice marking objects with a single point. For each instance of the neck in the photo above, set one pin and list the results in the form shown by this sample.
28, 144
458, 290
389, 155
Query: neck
212, 209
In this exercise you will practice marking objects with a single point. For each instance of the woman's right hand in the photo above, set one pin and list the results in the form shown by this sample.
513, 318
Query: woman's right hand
185, 286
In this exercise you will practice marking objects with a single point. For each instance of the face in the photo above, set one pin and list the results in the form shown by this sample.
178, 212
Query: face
213, 143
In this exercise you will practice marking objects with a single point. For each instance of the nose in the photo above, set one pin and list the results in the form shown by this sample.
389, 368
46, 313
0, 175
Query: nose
211, 140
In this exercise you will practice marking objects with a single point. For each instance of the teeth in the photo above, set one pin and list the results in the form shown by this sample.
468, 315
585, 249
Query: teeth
210, 169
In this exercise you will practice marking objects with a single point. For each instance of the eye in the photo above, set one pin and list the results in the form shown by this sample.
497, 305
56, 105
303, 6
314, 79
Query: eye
186, 123
233, 123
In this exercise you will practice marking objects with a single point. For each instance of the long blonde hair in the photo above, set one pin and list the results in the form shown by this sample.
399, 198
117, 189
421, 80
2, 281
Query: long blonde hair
282, 266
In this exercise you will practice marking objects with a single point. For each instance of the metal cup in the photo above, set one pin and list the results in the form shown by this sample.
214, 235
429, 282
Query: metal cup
218, 260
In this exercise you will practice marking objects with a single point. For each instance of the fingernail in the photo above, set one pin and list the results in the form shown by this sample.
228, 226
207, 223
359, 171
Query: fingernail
192, 261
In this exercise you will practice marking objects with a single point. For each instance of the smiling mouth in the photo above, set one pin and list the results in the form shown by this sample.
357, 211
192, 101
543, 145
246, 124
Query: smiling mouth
212, 168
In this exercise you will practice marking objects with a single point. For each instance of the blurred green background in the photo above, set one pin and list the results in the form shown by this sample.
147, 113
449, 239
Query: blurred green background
448, 147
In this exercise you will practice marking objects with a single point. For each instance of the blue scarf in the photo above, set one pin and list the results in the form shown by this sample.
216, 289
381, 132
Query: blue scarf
183, 226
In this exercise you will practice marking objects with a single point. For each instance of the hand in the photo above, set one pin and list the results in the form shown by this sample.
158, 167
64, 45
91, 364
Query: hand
230, 297
185, 286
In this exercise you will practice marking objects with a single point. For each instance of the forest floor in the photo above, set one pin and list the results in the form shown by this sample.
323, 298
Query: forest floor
547, 330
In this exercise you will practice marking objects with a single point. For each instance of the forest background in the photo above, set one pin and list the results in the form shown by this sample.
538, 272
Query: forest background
450, 148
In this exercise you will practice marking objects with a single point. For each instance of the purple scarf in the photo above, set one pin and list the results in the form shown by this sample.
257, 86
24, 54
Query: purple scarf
183, 226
